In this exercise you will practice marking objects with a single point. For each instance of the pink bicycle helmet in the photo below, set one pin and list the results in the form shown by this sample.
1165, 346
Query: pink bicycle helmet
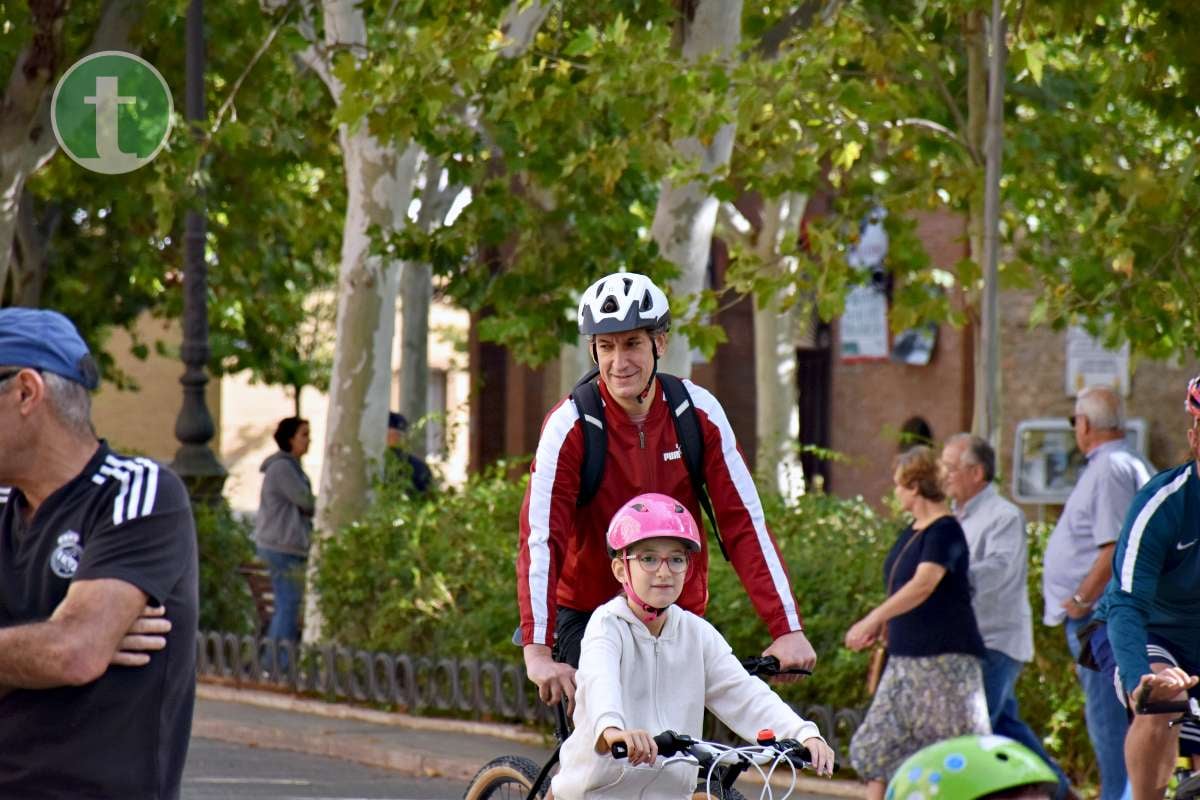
650, 516
1192, 403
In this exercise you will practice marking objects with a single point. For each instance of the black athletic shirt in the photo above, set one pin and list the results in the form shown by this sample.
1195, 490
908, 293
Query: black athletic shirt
126, 734
944, 623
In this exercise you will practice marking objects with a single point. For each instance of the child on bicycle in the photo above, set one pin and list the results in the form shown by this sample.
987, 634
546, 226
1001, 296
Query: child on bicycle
646, 666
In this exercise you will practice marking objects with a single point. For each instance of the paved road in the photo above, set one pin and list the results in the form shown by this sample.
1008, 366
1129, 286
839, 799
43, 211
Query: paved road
217, 771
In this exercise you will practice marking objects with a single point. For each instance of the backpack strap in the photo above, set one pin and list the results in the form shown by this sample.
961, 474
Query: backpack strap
586, 396
691, 445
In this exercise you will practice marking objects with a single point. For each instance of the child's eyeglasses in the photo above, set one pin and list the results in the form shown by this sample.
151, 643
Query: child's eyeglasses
676, 564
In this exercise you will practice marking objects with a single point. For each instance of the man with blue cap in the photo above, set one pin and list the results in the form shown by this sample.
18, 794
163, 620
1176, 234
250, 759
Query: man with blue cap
93, 703
401, 464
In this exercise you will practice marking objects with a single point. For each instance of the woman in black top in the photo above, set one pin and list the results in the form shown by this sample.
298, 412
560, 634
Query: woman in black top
932, 687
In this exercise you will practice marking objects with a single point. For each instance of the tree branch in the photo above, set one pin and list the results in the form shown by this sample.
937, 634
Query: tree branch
802, 17
935, 72
520, 26
936, 127
315, 56
258, 54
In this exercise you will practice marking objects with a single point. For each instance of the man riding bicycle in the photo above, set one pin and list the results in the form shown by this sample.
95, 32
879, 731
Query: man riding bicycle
563, 567
1151, 605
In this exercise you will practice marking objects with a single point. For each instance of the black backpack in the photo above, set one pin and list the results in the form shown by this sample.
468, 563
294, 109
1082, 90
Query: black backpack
586, 395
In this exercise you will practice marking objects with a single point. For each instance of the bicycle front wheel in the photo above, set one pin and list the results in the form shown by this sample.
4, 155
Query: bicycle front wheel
504, 778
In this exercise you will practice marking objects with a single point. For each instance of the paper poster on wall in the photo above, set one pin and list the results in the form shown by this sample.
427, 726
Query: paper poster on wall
1090, 363
864, 325
864, 328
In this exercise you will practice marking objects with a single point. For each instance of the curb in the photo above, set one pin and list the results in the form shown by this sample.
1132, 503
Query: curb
317, 708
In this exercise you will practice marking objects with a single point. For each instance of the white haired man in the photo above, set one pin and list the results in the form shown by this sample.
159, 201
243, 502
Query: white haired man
1078, 561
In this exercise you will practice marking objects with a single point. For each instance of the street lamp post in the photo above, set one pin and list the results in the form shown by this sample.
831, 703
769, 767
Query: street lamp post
194, 460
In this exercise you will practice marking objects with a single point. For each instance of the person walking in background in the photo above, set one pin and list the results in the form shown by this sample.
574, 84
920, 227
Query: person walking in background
995, 531
283, 527
932, 686
1078, 561
401, 464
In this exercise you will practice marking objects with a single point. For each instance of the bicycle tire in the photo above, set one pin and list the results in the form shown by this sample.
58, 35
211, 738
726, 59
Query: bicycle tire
504, 778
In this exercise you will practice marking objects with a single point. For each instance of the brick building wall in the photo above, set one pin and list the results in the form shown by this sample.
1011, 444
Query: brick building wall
871, 400
1033, 385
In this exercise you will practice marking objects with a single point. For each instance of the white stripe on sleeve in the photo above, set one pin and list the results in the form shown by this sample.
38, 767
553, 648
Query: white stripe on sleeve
143, 489
744, 483
1139, 527
151, 485
119, 504
541, 493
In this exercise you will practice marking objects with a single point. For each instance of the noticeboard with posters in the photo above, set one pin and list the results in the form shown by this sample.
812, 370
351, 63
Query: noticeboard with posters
1046, 460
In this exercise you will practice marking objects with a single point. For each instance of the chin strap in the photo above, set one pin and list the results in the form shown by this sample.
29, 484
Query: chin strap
653, 372
649, 612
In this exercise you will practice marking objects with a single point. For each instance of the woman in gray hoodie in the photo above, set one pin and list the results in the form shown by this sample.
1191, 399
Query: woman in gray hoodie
283, 527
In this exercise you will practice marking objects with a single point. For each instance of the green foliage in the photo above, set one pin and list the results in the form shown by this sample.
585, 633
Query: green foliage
834, 550
428, 575
224, 544
270, 172
1048, 692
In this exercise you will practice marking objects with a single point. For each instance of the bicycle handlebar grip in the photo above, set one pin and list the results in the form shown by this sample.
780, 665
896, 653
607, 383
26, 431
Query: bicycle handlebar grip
1144, 706
669, 743
768, 667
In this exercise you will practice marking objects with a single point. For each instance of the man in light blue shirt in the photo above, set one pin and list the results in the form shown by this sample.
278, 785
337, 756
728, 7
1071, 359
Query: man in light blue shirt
1078, 561
999, 565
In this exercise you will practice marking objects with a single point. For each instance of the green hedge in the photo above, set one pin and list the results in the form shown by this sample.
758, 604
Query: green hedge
224, 544
436, 576
429, 575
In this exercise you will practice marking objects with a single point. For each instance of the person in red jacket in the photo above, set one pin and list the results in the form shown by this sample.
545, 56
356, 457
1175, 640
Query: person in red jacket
563, 568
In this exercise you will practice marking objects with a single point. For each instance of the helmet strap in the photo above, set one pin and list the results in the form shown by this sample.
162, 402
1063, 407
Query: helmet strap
653, 372
649, 612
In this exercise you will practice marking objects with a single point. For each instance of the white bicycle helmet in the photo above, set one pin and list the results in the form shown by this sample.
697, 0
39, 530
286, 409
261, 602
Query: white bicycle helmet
623, 301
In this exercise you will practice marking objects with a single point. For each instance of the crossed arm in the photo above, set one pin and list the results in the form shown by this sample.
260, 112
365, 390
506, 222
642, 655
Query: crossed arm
98, 623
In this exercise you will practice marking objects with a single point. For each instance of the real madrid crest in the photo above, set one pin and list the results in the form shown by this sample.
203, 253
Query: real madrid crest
64, 561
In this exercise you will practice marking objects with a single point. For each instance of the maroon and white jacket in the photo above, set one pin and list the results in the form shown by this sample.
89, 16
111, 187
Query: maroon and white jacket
563, 559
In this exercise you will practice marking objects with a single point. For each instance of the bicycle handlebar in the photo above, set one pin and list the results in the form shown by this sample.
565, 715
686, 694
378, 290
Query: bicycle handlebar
1189, 707
671, 743
768, 667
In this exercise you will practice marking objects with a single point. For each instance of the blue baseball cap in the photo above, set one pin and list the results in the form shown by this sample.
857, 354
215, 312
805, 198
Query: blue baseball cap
47, 341
396, 421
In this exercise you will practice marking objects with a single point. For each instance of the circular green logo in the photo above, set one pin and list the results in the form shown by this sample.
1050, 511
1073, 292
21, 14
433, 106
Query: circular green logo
111, 112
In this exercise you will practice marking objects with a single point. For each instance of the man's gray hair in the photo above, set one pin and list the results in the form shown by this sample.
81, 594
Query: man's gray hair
1103, 408
976, 450
70, 402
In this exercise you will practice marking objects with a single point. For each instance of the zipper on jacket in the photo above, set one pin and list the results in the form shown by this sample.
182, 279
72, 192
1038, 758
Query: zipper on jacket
641, 437
657, 693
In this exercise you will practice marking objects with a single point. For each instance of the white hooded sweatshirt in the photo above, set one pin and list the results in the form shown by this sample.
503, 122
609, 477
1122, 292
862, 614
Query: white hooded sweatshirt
629, 679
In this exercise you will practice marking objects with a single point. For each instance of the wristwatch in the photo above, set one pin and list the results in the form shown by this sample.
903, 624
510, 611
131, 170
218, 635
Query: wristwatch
1080, 602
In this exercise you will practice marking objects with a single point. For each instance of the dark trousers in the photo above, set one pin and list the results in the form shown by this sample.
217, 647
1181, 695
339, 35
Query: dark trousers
569, 626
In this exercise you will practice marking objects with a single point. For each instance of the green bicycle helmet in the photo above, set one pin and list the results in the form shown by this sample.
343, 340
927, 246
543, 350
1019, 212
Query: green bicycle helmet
967, 768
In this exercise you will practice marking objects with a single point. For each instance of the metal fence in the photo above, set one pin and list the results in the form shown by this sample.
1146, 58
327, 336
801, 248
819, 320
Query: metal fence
471, 687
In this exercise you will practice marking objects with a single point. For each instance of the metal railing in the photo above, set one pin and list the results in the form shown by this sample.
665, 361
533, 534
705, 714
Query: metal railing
479, 688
